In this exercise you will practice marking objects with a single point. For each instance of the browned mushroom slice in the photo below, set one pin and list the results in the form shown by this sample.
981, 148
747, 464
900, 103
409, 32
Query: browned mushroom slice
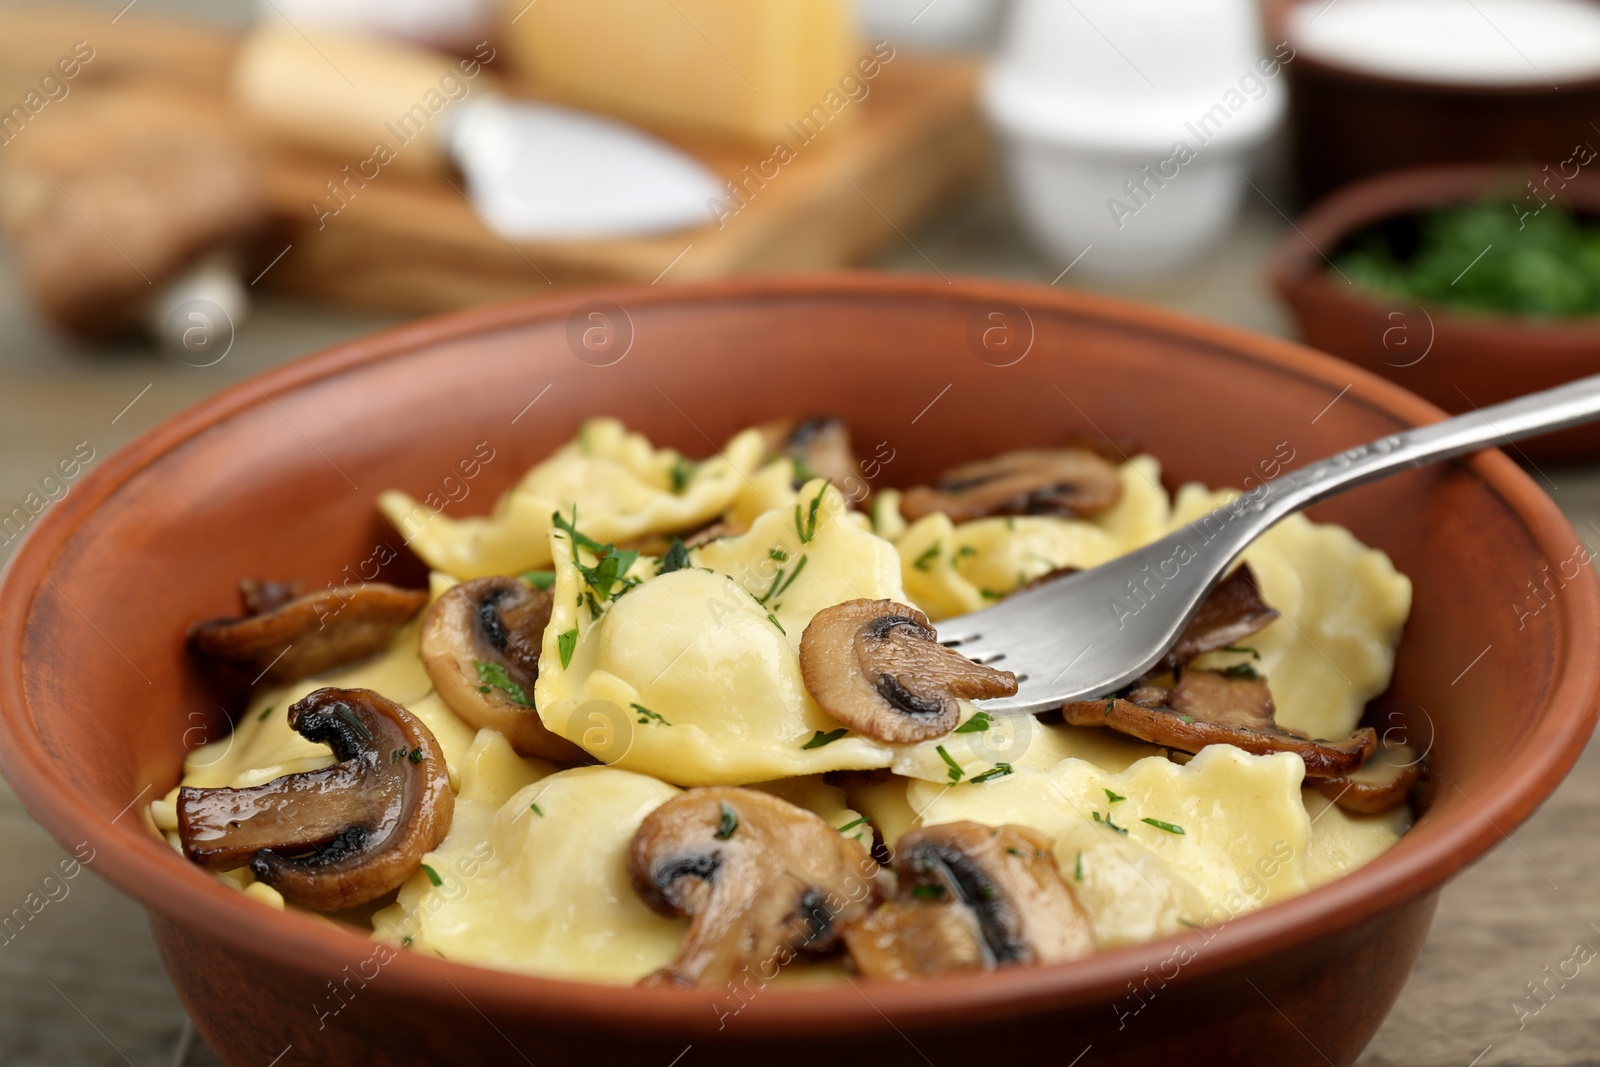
1212, 708
480, 644
878, 667
300, 636
1382, 783
338, 837
820, 448
971, 897
760, 880
1230, 612
1058, 481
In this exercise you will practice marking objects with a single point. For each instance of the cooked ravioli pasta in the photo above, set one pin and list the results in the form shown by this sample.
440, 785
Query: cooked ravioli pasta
675, 667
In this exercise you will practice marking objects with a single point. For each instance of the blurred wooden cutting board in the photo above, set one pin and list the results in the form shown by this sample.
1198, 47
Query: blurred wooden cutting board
415, 244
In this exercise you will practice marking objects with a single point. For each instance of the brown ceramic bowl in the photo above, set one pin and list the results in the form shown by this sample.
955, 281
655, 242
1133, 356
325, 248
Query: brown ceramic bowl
1458, 360
98, 699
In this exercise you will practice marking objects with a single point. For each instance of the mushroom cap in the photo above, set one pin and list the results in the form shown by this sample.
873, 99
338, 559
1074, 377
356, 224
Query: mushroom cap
1231, 611
1211, 708
301, 636
333, 838
877, 666
760, 879
480, 646
972, 896
1381, 783
822, 444
1067, 482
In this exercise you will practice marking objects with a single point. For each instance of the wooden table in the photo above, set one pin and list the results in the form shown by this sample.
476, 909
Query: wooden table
83, 986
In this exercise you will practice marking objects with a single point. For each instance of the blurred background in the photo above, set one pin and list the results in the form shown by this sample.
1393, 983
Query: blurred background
194, 191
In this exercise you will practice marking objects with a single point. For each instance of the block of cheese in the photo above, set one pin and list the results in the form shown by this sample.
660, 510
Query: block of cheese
738, 68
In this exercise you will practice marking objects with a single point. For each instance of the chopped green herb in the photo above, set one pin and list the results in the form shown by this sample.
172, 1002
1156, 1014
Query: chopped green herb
978, 724
728, 823
433, 875
609, 573
819, 738
494, 674
852, 824
1077, 869
928, 892
802, 471
926, 560
265, 712
676, 559
777, 555
1111, 702
1244, 650
565, 643
956, 773
1114, 797
1241, 670
773, 619
407, 940
397, 755
1167, 826
991, 594
415, 755
779, 584
1186, 718
808, 528
1016, 852
536, 810
682, 471
999, 770
540, 579
1189, 924
344, 712
1106, 822
646, 716
964, 551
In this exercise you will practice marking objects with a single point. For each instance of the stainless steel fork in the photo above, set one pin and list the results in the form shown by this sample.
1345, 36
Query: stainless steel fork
1092, 633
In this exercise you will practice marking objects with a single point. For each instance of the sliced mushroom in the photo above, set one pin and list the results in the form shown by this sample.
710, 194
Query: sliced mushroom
820, 447
878, 667
1059, 481
971, 897
1232, 611
1214, 708
338, 837
1382, 783
481, 642
760, 880
287, 636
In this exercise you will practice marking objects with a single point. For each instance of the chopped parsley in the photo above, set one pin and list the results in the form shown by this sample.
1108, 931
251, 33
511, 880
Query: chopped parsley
1111, 702
1241, 670
540, 579
991, 594
1167, 826
536, 810
978, 724
415, 755
682, 471
956, 773
999, 770
493, 675
566, 643
397, 755
927, 559
608, 577
676, 559
265, 712
646, 716
777, 555
928, 892
1242, 649
433, 875
1106, 822
819, 738
1186, 718
962, 553
406, 941
728, 823
1114, 797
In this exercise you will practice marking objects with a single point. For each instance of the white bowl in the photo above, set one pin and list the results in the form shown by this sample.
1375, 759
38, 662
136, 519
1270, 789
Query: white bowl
1128, 127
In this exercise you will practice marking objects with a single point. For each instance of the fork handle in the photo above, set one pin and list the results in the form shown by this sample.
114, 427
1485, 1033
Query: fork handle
1529, 416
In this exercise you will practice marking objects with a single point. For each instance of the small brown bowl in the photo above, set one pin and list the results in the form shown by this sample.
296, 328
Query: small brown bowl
98, 700
1459, 360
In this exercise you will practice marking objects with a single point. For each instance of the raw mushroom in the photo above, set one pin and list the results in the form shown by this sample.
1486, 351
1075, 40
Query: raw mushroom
1382, 783
971, 897
286, 636
1213, 708
480, 644
820, 447
878, 667
760, 880
333, 838
1067, 482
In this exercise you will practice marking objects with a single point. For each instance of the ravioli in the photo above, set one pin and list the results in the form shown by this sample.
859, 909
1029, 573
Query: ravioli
542, 884
623, 489
1342, 607
694, 675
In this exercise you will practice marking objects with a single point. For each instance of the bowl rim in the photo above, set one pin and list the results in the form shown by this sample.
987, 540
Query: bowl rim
131, 857
1298, 265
